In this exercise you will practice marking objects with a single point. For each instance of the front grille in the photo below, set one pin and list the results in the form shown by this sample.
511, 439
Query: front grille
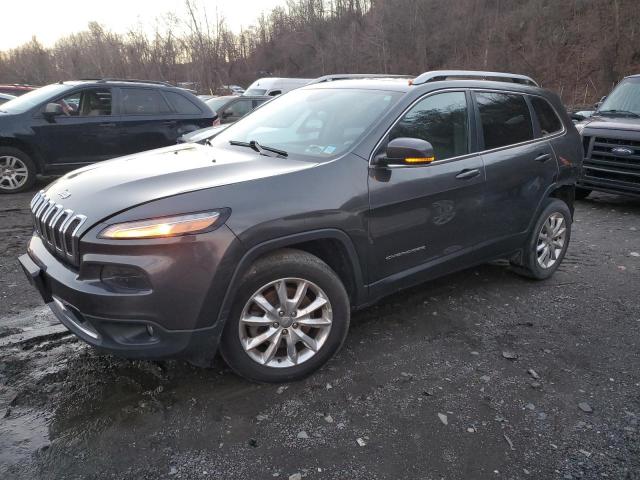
57, 227
607, 168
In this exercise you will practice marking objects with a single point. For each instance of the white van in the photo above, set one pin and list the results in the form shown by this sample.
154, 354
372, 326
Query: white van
273, 86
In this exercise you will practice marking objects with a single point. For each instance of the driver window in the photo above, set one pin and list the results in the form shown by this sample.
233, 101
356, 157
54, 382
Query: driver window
92, 102
241, 108
441, 120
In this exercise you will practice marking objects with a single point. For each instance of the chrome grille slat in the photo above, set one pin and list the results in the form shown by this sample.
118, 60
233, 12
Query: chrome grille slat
603, 163
57, 227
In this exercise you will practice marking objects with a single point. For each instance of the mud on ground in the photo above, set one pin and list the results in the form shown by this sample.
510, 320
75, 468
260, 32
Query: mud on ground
481, 374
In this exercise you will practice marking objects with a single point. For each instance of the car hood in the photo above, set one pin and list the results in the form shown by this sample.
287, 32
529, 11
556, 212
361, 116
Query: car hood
612, 123
103, 189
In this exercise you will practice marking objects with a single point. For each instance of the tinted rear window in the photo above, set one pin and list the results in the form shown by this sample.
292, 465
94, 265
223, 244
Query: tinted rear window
505, 119
143, 101
547, 118
182, 104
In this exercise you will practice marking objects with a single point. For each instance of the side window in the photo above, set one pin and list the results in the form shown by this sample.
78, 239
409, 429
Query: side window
275, 93
143, 101
181, 104
257, 103
505, 119
92, 102
547, 117
241, 108
441, 120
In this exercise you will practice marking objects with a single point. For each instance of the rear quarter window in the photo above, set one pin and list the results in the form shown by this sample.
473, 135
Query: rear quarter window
547, 117
181, 104
505, 119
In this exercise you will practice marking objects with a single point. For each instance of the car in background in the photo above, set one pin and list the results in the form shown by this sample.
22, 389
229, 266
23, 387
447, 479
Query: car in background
4, 98
272, 86
611, 140
67, 125
16, 89
231, 108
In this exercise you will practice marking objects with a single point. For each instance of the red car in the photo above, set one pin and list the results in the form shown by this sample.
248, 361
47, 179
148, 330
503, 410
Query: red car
16, 89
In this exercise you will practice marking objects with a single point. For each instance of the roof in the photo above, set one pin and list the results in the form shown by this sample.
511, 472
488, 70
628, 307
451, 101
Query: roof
122, 81
391, 84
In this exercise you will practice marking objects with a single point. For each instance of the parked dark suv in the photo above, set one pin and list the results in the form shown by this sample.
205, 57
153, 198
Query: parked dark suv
70, 124
263, 240
612, 143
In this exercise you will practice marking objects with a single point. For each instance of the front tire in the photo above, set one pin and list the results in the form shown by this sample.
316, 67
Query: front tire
17, 170
290, 316
548, 242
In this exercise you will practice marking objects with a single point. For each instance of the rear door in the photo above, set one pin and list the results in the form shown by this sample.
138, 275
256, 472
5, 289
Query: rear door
188, 115
147, 120
428, 213
520, 166
85, 132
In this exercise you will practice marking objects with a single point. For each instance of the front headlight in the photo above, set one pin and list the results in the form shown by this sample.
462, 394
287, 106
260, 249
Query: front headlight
580, 127
161, 227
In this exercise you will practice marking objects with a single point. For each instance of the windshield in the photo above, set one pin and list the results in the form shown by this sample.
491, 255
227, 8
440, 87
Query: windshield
35, 97
625, 98
315, 123
216, 103
256, 91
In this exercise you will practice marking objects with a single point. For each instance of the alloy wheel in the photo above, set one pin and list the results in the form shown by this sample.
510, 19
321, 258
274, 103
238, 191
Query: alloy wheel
13, 173
551, 240
285, 323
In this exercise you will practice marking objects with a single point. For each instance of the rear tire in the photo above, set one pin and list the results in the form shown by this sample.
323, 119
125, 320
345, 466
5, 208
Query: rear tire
582, 193
548, 242
288, 304
17, 170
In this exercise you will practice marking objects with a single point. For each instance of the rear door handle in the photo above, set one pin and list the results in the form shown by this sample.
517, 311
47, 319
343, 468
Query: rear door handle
543, 157
107, 124
170, 123
467, 174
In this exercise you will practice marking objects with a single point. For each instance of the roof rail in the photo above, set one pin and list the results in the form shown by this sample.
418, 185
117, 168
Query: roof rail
438, 75
351, 76
130, 80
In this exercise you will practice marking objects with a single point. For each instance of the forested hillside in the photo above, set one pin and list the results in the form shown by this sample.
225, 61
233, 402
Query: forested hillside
576, 47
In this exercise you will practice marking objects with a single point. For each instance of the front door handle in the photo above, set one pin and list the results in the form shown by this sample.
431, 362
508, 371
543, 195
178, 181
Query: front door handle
107, 124
467, 174
169, 123
543, 157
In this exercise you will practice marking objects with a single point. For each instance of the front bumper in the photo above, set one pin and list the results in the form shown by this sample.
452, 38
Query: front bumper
173, 318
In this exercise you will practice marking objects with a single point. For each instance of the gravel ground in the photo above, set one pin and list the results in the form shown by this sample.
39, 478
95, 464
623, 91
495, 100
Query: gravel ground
481, 374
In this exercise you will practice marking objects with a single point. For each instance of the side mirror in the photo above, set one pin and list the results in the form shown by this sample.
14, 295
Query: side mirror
227, 113
406, 152
597, 105
53, 110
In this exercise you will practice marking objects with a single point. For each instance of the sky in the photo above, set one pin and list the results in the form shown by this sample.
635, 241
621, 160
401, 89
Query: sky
49, 20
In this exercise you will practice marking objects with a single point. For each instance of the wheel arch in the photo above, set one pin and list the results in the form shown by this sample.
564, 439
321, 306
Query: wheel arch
26, 148
324, 244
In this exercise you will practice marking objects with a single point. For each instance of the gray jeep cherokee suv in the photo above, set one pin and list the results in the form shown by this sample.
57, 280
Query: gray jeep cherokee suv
263, 240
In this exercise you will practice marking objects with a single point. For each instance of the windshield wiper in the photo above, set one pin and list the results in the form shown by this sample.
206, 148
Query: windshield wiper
621, 112
261, 149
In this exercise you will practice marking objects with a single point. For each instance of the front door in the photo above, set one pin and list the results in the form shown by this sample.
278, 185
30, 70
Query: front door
237, 110
422, 214
85, 132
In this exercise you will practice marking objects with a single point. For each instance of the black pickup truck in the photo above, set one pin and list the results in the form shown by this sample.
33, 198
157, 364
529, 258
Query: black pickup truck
611, 139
